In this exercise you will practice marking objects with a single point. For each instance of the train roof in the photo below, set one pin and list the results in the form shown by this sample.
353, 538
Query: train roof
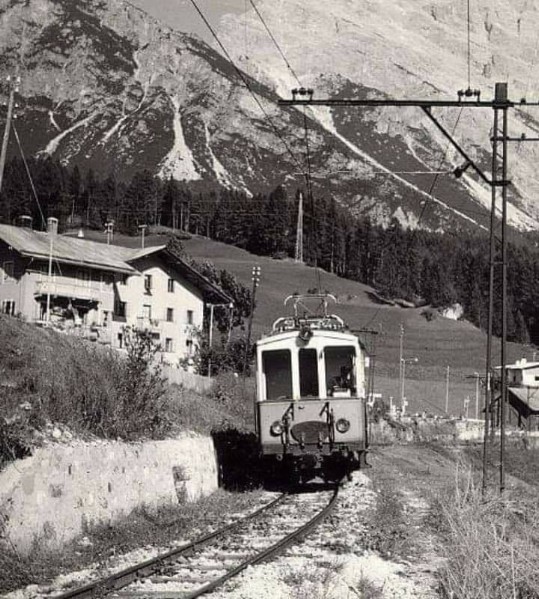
307, 323
329, 326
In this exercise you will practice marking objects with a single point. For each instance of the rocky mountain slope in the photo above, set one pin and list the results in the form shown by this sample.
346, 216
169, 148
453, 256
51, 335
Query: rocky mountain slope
406, 49
106, 86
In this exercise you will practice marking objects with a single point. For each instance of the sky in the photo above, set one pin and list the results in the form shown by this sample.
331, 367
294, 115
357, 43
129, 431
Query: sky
181, 14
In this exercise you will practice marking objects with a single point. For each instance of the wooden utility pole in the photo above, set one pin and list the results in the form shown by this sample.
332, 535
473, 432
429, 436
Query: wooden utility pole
109, 231
13, 86
256, 281
477, 378
210, 338
447, 390
143, 231
299, 231
401, 347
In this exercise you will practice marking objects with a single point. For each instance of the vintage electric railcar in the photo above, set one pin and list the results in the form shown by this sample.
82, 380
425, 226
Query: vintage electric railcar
311, 405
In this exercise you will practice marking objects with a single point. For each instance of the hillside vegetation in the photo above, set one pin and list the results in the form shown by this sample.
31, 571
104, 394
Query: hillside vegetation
437, 343
55, 386
425, 268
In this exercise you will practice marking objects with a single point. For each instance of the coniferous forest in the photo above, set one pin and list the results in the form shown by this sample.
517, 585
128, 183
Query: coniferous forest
423, 267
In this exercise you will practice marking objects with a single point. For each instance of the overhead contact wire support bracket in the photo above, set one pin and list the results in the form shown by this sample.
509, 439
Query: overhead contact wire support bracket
468, 98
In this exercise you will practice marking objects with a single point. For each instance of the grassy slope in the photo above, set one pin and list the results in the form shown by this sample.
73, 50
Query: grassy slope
436, 344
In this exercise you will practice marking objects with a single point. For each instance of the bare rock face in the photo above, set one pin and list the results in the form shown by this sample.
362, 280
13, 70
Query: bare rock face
106, 86
407, 49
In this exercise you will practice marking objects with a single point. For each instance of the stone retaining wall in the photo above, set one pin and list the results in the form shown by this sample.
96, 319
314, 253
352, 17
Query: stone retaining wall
63, 489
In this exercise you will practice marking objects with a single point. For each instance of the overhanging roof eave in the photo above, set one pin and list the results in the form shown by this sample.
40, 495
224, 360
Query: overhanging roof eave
110, 268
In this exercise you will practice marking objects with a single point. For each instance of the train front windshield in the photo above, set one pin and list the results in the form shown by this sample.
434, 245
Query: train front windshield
277, 365
340, 370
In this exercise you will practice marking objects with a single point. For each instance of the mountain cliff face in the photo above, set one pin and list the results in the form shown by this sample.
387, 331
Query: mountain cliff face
106, 86
407, 49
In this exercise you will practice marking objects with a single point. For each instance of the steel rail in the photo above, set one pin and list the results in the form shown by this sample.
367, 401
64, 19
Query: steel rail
270, 551
122, 578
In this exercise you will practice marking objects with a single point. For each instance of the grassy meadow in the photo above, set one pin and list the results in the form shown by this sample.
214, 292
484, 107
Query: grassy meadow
436, 343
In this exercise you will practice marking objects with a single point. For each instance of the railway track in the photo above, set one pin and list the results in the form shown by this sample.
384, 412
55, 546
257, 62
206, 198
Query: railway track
205, 564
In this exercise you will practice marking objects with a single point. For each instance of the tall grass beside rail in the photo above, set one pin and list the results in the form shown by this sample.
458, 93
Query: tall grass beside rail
491, 546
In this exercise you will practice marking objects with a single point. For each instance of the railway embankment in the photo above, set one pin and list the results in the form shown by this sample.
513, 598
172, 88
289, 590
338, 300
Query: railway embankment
64, 489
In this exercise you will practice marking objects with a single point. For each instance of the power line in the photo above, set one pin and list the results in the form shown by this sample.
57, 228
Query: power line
29, 175
275, 42
469, 45
437, 175
246, 83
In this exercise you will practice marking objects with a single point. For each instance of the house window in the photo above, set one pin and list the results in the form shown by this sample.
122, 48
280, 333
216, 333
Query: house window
148, 283
120, 340
120, 309
169, 346
189, 346
8, 307
8, 270
170, 315
189, 316
146, 311
171, 285
122, 279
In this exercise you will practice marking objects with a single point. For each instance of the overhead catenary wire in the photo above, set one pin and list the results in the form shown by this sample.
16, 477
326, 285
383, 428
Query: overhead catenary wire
427, 201
245, 81
36, 197
438, 171
289, 66
308, 173
469, 44
34, 192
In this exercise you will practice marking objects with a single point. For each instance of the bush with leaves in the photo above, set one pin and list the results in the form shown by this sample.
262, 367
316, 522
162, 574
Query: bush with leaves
224, 357
51, 379
143, 389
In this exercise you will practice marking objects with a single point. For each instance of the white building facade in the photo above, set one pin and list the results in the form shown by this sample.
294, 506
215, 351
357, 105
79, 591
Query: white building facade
96, 290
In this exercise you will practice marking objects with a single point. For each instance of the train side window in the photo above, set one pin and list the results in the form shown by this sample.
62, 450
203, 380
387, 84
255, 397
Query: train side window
308, 373
277, 365
340, 374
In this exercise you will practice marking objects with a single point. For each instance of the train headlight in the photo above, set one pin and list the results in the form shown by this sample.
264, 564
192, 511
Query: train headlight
342, 425
276, 429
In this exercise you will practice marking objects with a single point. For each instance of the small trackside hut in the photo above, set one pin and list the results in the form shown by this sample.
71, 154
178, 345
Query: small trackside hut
311, 400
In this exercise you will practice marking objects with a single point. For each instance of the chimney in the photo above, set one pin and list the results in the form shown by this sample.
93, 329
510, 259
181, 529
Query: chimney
25, 221
52, 225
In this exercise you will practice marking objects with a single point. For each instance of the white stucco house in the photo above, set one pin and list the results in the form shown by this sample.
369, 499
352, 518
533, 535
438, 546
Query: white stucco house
95, 290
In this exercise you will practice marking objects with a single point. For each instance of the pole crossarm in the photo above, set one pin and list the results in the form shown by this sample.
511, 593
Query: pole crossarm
418, 103
426, 106
517, 139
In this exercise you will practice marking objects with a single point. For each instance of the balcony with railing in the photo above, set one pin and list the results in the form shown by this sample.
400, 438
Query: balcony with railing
148, 324
86, 290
